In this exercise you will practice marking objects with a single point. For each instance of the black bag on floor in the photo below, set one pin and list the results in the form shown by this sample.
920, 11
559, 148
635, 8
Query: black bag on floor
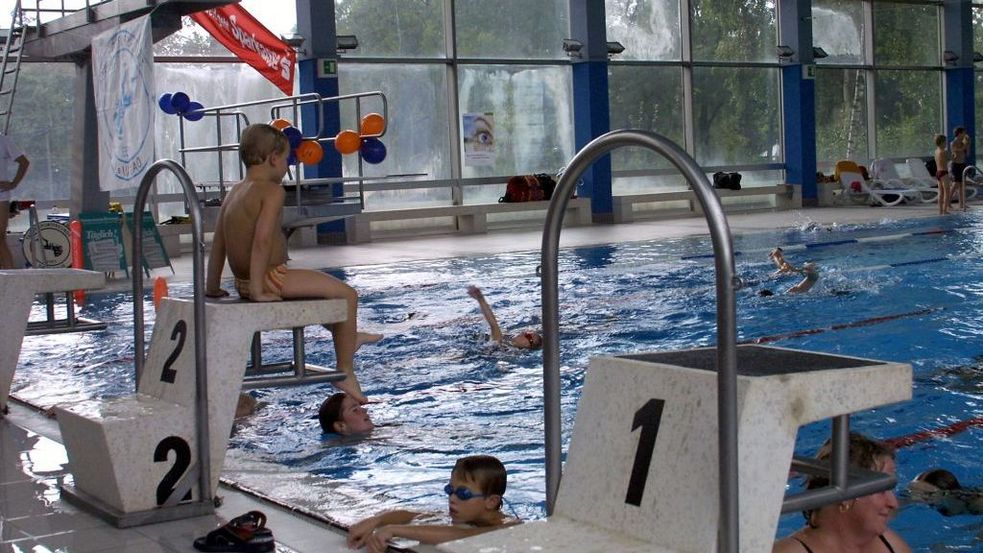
729, 181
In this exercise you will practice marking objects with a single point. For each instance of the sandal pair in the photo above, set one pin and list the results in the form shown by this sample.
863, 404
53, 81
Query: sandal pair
245, 533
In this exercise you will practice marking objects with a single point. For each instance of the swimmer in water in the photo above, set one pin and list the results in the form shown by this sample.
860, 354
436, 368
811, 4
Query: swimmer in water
811, 274
526, 339
783, 266
942, 490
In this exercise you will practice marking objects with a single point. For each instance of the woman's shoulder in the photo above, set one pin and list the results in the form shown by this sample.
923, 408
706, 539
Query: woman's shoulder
789, 544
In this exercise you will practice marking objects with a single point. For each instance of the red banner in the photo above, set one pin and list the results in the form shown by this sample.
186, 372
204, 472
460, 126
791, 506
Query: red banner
253, 43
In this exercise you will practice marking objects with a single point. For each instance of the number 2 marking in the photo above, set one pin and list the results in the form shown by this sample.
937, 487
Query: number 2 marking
181, 463
648, 417
180, 332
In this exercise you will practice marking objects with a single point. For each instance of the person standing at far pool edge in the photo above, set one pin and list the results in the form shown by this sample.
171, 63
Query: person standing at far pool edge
959, 148
10, 153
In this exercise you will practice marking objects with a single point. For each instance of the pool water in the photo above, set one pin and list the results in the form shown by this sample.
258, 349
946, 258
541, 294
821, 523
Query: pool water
909, 291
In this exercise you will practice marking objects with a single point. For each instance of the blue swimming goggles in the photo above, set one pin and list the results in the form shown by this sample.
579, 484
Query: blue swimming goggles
461, 492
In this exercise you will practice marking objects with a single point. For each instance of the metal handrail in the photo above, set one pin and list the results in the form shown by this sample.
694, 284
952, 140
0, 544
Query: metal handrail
726, 284
198, 272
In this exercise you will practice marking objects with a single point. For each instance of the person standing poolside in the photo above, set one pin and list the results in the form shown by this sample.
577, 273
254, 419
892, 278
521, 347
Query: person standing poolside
474, 501
10, 153
248, 233
960, 148
941, 174
859, 524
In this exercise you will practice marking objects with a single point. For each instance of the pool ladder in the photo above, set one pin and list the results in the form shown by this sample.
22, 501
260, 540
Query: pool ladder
727, 283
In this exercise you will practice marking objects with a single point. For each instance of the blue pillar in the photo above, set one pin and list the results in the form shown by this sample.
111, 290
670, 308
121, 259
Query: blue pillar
591, 117
960, 82
799, 111
799, 97
316, 23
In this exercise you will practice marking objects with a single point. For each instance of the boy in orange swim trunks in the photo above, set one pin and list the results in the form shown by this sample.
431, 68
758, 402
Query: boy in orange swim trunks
247, 233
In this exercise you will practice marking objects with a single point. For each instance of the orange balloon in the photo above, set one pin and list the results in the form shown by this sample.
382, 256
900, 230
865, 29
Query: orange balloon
281, 123
347, 142
310, 152
372, 124
160, 291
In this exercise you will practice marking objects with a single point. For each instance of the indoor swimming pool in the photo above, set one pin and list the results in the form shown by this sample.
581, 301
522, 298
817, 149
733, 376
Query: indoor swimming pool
908, 291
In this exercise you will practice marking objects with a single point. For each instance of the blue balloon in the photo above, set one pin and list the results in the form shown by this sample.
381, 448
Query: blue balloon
294, 136
194, 112
180, 102
373, 150
165, 103
292, 157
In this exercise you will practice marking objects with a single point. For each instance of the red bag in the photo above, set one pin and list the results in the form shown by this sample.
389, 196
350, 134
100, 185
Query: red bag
523, 188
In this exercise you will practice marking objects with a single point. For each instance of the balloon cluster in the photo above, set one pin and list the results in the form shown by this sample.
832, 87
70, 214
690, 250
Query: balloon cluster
308, 152
365, 142
180, 104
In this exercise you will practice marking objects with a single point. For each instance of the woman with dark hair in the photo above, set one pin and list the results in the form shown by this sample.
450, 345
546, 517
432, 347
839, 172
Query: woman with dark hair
857, 525
942, 490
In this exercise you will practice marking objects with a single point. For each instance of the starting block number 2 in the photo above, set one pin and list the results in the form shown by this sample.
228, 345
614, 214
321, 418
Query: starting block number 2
648, 418
176, 444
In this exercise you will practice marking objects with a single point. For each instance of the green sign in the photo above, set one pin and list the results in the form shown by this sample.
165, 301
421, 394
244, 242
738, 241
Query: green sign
102, 242
152, 246
327, 67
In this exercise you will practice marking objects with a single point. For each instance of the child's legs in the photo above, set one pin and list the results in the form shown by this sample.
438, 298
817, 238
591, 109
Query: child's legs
306, 283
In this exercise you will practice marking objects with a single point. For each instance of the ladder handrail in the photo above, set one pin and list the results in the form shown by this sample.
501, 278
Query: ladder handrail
13, 47
198, 272
726, 284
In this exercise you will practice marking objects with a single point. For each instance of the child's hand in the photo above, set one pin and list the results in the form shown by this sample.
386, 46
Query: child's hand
377, 540
359, 531
475, 292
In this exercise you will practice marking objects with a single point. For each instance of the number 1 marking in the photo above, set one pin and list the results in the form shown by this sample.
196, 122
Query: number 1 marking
648, 417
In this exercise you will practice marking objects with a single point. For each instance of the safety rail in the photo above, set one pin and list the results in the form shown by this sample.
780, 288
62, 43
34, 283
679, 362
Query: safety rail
198, 287
726, 281
291, 104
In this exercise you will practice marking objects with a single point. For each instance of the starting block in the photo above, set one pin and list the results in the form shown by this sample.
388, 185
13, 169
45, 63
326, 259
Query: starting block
17, 291
642, 469
134, 455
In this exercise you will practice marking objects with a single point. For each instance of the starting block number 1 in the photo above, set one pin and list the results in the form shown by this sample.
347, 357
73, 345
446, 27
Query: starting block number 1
648, 418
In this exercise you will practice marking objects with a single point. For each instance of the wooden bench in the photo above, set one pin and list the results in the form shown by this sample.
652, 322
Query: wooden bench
787, 196
469, 219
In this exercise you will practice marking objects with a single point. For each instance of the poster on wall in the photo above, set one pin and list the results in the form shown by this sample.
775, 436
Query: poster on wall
123, 77
479, 139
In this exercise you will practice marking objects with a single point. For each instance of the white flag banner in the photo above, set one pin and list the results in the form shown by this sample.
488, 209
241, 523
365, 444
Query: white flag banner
123, 76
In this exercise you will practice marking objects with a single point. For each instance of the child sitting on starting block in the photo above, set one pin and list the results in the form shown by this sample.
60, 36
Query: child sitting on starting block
474, 497
248, 234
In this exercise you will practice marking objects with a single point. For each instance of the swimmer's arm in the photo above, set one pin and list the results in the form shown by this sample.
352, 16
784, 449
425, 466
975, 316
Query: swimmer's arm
267, 227
216, 260
486, 310
431, 533
359, 532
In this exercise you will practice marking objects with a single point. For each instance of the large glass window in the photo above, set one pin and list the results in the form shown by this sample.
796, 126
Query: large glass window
743, 126
841, 115
906, 34
529, 111
648, 29
511, 28
646, 98
838, 28
41, 124
738, 30
909, 112
398, 28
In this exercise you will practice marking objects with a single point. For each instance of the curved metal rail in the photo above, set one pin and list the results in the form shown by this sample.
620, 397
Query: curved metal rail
198, 268
726, 316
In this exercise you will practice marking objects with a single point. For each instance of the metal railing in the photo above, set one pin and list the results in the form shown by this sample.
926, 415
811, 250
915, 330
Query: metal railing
726, 285
198, 273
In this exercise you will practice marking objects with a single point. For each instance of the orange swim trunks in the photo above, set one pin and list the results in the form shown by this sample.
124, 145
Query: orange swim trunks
272, 282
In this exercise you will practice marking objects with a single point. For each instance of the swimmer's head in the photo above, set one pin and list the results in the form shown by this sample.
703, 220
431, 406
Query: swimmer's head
934, 480
810, 268
341, 414
527, 339
765, 293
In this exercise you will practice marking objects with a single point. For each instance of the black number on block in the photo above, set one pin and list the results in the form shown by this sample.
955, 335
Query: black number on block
648, 418
180, 332
181, 463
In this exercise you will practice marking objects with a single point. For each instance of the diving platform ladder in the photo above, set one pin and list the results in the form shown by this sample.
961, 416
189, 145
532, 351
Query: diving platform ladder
13, 47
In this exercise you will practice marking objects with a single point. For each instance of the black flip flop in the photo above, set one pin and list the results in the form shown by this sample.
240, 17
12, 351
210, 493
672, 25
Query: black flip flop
245, 533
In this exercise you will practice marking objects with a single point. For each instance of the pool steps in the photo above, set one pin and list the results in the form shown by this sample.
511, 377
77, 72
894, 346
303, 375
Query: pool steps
642, 474
18, 288
134, 454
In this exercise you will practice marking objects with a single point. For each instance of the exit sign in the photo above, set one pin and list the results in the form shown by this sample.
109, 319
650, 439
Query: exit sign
327, 68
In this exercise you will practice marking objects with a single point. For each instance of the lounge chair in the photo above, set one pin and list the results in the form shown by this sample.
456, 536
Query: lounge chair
884, 170
858, 189
916, 166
